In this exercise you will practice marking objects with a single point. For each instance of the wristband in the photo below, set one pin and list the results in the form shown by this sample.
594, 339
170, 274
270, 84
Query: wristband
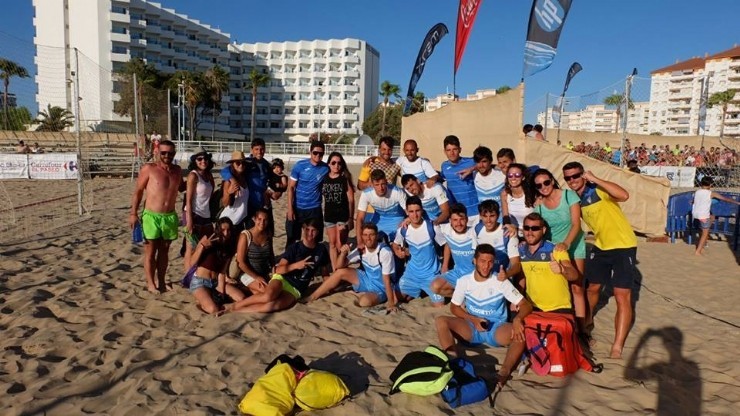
506, 220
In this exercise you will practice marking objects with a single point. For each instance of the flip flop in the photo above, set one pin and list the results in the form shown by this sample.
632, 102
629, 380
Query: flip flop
538, 355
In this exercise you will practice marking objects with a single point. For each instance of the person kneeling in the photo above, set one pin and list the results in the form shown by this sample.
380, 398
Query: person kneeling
373, 281
293, 273
480, 312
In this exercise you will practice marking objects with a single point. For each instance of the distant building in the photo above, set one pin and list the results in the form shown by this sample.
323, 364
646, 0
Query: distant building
600, 118
12, 102
444, 99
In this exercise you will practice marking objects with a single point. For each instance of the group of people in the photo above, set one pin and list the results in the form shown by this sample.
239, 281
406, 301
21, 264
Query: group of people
448, 233
656, 155
22, 147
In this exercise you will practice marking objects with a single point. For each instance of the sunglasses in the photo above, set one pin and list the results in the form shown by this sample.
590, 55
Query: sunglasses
570, 178
542, 184
170, 153
316, 153
237, 163
200, 158
515, 175
532, 227
335, 162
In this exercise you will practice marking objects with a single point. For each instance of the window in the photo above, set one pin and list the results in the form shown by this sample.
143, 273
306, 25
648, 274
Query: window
119, 49
118, 9
276, 97
302, 125
261, 124
274, 124
303, 110
120, 30
348, 110
274, 111
347, 125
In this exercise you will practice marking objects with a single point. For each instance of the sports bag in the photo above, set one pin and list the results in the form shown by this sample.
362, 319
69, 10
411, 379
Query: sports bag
319, 390
553, 346
465, 387
272, 394
422, 373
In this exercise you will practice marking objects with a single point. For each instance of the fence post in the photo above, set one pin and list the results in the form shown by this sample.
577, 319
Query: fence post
625, 116
77, 132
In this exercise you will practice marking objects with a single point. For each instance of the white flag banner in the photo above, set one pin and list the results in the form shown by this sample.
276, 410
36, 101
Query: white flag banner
13, 166
680, 177
53, 166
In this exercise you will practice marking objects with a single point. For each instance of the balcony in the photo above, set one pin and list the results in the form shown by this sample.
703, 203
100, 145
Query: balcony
120, 57
120, 37
154, 29
350, 103
276, 116
138, 23
351, 88
120, 18
352, 59
352, 74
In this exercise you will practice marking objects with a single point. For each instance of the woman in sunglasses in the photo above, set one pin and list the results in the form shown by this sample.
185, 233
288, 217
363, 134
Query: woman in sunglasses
516, 200
339, 204
198, 193
562, 211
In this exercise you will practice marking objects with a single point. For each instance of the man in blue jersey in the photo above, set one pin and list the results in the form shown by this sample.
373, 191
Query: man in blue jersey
388, 202
374, 280
422, 265
420, 167
488, 181
459, 245
489, 231
456, 172
304, 193
433, 200
480, 311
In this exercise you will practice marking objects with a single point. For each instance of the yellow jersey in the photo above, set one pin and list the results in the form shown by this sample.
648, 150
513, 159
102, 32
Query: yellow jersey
605, 218
548, 291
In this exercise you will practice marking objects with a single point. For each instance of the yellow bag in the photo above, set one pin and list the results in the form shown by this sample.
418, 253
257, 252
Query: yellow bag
272, 394
319, 390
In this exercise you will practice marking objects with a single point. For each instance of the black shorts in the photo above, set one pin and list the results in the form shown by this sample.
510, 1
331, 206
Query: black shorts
617, 265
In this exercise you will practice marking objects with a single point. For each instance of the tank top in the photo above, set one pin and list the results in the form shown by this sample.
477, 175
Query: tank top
558, 219
214, 258
518, 210
238, 210
336, 203
203, 192
702, 205
259, 257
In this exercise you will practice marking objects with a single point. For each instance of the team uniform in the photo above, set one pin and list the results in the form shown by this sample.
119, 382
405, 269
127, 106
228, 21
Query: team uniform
431, 200
489, 186
547, 290
506, 248
388, 208
373, 266
462, 248
423, 265
485, 300
421, 168
309, 180
615, 247
461, 190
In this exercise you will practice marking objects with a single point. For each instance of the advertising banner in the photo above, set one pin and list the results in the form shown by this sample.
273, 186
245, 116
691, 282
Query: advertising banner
680, 177
466, 13
433, 37
13, 166
53, 166
546, 21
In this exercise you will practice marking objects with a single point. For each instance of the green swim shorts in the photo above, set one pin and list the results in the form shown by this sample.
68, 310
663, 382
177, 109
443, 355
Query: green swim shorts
287, 286
159, 226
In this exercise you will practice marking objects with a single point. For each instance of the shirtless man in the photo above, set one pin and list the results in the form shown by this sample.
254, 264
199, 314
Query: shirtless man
161, 181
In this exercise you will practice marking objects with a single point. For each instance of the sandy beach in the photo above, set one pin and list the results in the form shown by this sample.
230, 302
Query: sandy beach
80, 334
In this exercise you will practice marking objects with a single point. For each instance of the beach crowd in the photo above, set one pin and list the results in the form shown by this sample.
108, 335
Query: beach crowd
493, 237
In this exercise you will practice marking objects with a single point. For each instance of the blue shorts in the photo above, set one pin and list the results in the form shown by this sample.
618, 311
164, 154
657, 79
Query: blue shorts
413, 288
197, 283
368, 284
702, 224
487, 337
452, 276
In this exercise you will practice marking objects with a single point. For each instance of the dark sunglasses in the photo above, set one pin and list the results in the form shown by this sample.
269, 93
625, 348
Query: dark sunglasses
237, 163
170, 153
200, 158
317, 153
515, 175
532, 227
570, 178
335, 162
544, 183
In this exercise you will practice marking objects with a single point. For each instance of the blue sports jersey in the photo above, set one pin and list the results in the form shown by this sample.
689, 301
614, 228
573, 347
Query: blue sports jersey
423, 264
309, 180
461, 190
490, 186
389, 208
258, 174
462, 247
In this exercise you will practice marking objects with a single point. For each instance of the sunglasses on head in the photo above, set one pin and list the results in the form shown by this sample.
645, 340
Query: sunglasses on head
317, 153
515, 175
570, 178
544, 183
532, 227
167, 153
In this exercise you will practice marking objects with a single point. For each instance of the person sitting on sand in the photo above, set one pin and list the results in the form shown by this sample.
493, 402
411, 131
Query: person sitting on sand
374, 280
211, 257
480, 312
293, 273
254, 253
161, 180
459, 244
416, 243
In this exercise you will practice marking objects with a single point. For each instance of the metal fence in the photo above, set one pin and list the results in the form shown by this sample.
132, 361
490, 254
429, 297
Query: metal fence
282, 148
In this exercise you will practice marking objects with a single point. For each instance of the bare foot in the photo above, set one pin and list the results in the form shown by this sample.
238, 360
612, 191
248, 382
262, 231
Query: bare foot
616, 352
502, 378
165, 288
152, 289
697, 253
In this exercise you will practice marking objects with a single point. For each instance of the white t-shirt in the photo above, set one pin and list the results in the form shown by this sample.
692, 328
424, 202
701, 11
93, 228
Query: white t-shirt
376, 263
497, 240
702, 204
423, 263
485, 299
518, 210
390, 209
489, 186
421, 168
432, 198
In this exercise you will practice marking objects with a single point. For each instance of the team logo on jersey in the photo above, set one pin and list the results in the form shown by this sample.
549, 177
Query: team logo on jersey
543, 256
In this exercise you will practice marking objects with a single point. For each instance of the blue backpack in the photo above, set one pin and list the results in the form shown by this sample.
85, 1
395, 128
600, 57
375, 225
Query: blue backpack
465, 387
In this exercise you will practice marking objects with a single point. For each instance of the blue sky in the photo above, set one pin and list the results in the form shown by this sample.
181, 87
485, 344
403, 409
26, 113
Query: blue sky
608, 37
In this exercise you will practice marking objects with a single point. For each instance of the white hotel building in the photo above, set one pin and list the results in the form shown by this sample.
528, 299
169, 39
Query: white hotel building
599, 118
328, 86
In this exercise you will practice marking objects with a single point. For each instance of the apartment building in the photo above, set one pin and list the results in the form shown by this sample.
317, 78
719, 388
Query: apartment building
442, 100
321, 85
675, 95
108, 33
329, 86
600, 118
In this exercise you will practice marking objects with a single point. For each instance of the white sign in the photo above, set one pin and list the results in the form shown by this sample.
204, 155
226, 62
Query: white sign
680, 177
53, 166
13, 166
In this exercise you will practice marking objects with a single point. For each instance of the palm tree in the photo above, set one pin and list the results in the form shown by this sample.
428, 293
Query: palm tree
193, 96
617, 100
9, 69
722, 99
387, 90
54, 119
217, 81
256, 79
